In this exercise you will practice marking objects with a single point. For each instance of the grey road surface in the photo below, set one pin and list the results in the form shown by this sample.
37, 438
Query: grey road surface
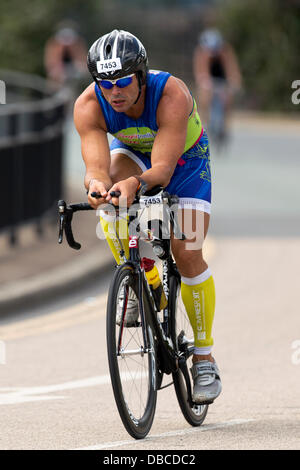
55, 390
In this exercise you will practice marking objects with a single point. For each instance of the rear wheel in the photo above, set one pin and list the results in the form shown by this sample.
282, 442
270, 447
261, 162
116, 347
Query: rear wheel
183, 336
132, 368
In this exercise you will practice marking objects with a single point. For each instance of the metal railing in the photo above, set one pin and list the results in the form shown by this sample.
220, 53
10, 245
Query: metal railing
31, 150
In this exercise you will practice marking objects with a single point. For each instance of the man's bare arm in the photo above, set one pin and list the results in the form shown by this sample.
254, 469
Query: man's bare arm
94, 145
172, 119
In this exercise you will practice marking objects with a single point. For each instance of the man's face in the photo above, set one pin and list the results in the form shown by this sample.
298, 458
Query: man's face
121, 99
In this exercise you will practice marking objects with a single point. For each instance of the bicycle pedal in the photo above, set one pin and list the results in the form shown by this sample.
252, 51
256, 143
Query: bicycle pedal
208, 402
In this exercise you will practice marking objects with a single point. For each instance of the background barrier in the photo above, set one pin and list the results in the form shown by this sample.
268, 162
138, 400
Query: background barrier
31, 151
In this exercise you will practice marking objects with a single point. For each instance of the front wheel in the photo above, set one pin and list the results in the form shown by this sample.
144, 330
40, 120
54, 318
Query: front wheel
183, 337
132, 367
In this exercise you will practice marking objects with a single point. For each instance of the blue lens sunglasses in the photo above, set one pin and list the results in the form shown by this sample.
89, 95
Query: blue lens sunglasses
121, 82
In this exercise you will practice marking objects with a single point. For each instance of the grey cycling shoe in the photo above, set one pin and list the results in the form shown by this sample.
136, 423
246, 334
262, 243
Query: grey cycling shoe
132, 309
207, 382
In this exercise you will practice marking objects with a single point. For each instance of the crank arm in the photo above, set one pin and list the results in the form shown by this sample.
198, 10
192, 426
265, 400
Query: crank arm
186, 375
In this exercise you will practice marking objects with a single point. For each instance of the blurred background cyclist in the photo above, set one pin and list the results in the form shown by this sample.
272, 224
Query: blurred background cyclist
65, 56
216, 70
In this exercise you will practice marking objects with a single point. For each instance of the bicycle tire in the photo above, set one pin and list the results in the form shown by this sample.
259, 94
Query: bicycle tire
136, 417
196, 414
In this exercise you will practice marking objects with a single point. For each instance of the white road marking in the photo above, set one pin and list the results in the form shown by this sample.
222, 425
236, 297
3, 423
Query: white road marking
180, 432
21, 395
15, 395
11, 399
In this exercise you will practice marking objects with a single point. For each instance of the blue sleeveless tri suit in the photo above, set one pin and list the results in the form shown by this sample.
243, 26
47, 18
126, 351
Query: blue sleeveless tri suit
191, 180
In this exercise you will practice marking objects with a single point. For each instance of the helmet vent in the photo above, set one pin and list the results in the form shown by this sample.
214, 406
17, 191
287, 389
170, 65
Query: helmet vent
108, 49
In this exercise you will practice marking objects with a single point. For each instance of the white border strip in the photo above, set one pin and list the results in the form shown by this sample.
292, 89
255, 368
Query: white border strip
193, 203
131, 155
180, 432
193, 281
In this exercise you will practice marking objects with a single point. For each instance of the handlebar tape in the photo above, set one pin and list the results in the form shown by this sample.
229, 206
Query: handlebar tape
113, 194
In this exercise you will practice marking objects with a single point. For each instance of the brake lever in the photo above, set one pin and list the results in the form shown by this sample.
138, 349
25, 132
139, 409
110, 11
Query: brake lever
61, 229
61, 211
65, 219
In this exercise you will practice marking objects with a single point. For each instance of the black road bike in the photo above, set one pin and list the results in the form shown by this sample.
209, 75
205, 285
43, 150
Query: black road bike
157, 343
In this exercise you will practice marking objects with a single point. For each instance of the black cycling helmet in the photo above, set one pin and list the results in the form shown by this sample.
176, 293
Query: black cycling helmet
116, 55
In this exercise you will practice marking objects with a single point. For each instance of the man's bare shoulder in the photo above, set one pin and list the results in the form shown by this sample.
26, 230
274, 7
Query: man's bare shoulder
176, 98
87, 111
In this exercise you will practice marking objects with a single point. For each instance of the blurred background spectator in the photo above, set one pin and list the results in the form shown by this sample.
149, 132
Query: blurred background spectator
65, 55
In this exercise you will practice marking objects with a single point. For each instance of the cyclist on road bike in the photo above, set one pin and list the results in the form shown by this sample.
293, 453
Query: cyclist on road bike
215, 62
159, 139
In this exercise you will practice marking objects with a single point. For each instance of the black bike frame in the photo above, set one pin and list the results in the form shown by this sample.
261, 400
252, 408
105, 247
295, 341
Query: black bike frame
168, 357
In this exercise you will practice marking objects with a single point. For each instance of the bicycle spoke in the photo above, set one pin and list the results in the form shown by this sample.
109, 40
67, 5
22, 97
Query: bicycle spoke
133, 388
134, 365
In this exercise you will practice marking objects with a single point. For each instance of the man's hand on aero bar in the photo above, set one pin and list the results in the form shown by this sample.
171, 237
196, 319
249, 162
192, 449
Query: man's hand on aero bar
101, 189
127, 188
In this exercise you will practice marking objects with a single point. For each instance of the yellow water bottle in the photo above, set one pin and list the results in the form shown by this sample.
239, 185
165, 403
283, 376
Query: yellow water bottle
154, 281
